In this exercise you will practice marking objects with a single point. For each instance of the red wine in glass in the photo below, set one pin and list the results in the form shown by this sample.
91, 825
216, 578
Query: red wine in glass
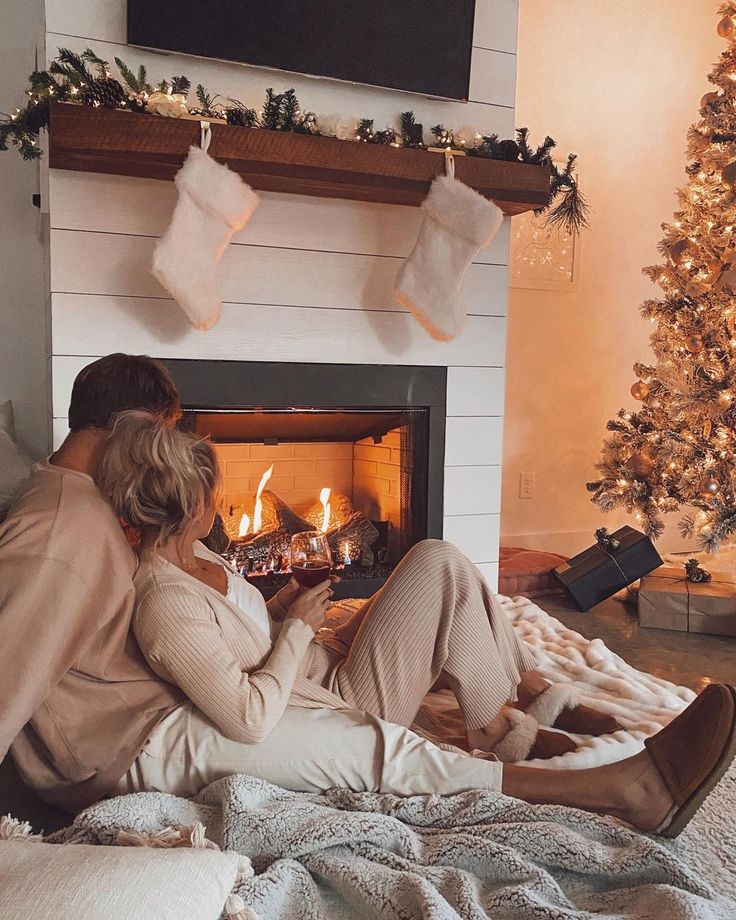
311, 560
309, 574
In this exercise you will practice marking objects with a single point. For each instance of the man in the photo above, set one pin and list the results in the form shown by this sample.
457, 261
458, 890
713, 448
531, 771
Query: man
68, 661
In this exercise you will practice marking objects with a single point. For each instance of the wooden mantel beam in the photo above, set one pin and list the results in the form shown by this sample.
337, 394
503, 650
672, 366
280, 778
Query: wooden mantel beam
130, 144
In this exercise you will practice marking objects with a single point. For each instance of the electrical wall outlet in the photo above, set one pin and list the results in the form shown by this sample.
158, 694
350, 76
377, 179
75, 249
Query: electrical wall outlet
526, 485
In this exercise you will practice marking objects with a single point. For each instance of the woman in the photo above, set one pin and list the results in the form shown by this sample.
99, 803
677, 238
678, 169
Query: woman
252, 671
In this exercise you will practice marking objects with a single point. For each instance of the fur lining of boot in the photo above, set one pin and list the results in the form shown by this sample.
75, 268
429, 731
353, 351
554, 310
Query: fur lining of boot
519, 740
550, 703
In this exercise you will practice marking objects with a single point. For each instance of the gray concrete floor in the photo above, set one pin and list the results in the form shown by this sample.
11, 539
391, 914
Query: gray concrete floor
689, 659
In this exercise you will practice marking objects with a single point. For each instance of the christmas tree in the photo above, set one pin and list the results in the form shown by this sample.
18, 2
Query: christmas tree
678, 450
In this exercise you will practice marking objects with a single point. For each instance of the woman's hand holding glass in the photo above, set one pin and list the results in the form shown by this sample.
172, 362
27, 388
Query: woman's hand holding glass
309, 604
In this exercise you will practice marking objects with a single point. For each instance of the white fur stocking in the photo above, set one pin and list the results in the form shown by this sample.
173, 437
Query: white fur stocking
457, 223
213, 204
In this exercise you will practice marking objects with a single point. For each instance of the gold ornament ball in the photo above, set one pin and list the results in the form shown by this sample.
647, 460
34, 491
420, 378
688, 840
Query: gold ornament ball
726, 280
707, 99
728, 173
709, 487
678, 250
640, 465
726, 27
640, 390
694, 343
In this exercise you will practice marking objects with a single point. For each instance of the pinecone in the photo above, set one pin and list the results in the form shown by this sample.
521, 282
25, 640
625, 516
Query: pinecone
508, 150
240, 116
104, 91
386, 138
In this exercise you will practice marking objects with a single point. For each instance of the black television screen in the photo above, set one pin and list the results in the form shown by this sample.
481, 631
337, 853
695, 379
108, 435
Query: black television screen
422, 46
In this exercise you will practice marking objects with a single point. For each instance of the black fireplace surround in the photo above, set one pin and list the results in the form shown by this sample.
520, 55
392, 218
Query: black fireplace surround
264, 402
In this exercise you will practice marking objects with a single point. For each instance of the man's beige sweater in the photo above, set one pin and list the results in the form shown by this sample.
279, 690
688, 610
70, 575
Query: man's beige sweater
77, 699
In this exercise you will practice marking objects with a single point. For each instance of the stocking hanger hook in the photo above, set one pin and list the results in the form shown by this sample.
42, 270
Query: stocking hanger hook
205, 135
449, 163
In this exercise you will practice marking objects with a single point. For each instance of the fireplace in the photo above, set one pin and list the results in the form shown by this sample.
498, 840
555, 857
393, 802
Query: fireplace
354, 451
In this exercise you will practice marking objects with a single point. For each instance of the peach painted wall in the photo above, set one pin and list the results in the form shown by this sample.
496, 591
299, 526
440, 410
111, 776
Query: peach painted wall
618, 83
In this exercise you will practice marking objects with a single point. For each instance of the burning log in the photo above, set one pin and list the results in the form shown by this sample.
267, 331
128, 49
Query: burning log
353, 540
279, 516
263, 550
341, 509
266, 544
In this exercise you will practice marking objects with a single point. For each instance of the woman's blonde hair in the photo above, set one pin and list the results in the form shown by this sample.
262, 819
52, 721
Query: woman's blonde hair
157, 478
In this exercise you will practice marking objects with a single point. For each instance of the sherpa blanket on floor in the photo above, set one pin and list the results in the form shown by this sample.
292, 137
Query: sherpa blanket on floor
642, 704
346, 855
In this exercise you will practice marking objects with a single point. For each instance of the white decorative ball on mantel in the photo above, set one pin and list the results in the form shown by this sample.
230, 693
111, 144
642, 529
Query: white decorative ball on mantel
467, 136
170, 105
343, 129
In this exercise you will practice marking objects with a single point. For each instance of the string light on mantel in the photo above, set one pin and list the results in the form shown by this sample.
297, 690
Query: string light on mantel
677, 450
87, 79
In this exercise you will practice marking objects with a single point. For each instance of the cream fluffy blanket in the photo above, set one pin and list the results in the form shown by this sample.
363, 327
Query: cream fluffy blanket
480, 854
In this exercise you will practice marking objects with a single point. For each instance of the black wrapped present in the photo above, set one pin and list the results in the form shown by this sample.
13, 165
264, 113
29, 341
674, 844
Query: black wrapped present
614, 562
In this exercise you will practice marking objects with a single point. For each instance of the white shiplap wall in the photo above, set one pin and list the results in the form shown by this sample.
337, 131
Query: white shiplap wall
309, 279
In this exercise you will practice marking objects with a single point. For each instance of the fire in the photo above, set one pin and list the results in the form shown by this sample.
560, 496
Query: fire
258, 510
244, 525
324, 497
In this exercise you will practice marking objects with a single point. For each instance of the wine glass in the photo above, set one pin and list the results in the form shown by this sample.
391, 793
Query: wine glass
311, 560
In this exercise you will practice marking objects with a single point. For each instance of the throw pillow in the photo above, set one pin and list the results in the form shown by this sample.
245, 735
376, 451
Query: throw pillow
528, 572
113, 883
15, 464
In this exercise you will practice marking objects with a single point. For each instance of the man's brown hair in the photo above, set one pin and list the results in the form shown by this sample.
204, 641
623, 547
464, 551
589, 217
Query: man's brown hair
119, 382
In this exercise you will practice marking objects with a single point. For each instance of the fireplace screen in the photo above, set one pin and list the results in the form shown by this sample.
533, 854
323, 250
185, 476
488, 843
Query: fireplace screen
357, 475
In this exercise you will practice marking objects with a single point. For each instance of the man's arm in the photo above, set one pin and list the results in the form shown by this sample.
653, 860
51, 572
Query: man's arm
47, 615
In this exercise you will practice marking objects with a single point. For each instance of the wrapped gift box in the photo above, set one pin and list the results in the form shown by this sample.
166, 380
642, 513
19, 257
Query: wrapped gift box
667, 600
600, 571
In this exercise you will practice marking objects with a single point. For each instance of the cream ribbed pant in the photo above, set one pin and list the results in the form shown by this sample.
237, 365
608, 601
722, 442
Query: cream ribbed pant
435, 615
310, 750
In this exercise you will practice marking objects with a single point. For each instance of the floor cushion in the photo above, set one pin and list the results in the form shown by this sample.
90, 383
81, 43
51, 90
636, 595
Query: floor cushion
83, 882
528, 572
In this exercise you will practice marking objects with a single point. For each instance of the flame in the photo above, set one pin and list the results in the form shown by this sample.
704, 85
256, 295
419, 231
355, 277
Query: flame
324, 497
258, 510
244, 525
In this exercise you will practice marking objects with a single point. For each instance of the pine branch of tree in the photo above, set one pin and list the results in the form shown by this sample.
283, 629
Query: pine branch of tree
131, 81
71, 67
142, 78
271, 114
542, 155
412, 133
181, 84
522, 140
207, 101
571, 212
290, 112
103, 67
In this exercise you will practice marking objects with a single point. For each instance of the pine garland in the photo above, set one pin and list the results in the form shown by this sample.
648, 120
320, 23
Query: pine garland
86, 78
